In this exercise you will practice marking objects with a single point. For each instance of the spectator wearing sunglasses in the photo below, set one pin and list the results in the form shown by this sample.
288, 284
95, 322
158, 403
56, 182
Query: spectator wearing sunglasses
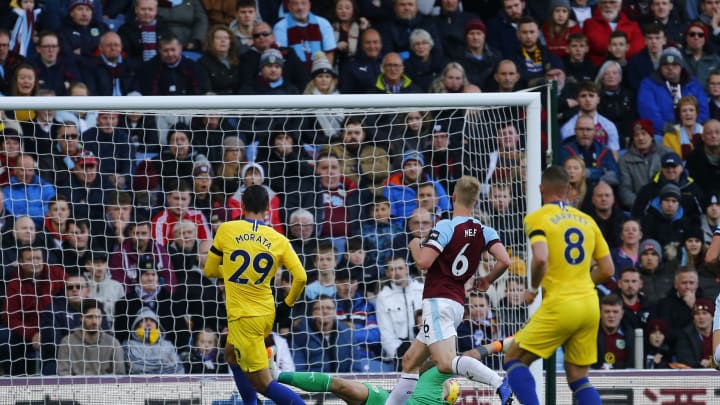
700, 60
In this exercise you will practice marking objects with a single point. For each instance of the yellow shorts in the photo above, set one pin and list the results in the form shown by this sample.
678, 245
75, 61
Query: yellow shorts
247, 335
571, 324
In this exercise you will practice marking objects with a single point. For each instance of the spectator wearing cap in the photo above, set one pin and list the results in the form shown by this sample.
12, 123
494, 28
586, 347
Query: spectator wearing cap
140, 36
684, 136
647, 60
479, 58
263, 39
80, 33
711, 219
146, 293
220, 60
532, 57
504, 27
609, 17
305, 33
558, 27
691, 253
665, 219
442, 156
358, 74
657, 350
86, 190
26, 193
401, 187
671, 172
566, 89
393, 79
187, 21
599, 161
170, 73
325, 126
424, 63
703, 163
406, 18
270, 78
215, 206
658, 94
10, 149
111, 144
452, 23
641, 161
657, 278
254, 174
694, 344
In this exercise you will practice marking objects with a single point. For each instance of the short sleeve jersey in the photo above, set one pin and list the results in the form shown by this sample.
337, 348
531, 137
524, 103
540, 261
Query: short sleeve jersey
460, 242
251, 254
573, 240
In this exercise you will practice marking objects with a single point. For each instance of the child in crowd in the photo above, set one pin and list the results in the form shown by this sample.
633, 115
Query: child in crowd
578, 67
325, 263
245, 19
101, 287
378, 232
618, 47
657, 351
206, 357
23, 22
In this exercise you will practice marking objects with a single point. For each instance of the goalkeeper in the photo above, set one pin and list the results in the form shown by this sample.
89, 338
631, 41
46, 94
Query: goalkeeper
428, 390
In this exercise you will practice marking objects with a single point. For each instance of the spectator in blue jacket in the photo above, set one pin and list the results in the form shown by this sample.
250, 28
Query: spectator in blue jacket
358, 75
599, 160
317, 336
401, 188
27, 194
659, 93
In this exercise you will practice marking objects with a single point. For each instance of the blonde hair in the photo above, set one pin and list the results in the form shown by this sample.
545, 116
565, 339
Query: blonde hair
467, 190
578, 190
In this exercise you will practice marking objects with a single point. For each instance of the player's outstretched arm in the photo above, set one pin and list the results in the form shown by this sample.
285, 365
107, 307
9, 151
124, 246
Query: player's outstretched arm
713, 252
213, 268
299, 276
350, 391
481, 352
422, 255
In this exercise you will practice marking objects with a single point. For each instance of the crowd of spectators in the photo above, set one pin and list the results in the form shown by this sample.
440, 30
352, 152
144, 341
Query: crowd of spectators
106, 218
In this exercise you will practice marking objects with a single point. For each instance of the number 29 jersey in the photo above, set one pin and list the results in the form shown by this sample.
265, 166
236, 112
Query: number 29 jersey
251, 254
460, 242
574, 240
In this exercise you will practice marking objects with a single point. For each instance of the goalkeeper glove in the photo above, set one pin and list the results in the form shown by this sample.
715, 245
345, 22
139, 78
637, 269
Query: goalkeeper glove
282, 310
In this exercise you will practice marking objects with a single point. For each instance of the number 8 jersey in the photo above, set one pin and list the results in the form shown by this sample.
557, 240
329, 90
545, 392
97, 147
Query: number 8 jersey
460, 242
247, 253
574, 240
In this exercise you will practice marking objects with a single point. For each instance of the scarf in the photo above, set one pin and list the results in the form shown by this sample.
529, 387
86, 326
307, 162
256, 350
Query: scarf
148, 37
114, 70
21, 35
147, 297
330, 123
533, 62
169, 3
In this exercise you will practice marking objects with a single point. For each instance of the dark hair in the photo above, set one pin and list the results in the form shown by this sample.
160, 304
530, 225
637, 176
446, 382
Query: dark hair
255, 199
478, 294
628, 269
611, 299
555, 175
91, 303
119, 197
323, 246
588, 85
652, 28
517, 280
178, 185
167, 37
618, 34
578, 36
354, 243
380, 199
139, 222
62, 124
244, 4
527, 20
44, 34
353, 120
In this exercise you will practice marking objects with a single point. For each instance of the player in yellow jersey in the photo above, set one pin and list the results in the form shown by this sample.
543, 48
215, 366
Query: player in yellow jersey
564, 242
246, 254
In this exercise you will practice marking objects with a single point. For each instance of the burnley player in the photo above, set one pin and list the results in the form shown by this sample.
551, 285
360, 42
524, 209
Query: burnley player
451, 253
712, 258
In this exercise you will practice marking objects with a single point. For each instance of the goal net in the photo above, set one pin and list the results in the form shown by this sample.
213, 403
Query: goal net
110, 206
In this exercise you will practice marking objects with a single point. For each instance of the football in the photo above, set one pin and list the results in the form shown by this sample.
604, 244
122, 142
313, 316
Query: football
451, 391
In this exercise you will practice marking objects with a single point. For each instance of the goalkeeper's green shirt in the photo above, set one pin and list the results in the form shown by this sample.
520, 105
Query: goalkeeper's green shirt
429, 388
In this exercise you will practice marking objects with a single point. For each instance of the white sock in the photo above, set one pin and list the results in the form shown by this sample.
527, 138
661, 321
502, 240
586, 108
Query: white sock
403, 389
476, 371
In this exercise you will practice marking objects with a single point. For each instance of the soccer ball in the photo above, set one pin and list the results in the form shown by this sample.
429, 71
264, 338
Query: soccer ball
451, 391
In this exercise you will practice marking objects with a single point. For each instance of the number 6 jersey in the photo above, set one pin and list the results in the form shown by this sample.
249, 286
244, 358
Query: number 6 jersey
574, 240
460, 242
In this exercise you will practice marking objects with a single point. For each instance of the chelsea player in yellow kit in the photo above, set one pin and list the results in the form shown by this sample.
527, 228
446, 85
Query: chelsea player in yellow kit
564, 242
246, 253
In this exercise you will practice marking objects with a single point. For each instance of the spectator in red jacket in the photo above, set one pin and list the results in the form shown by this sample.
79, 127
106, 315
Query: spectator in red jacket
600, 26
28, 292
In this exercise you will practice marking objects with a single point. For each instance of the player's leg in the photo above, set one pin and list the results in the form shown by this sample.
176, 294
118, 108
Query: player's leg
248, 337
577, 377
522, 382
245, 388
481, 352
581, 352
416, 354
352, 392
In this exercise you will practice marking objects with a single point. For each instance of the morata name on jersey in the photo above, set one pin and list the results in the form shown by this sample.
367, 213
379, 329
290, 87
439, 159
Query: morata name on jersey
567, 215
251, 237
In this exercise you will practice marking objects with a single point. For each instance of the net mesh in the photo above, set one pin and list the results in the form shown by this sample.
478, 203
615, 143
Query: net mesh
119, 208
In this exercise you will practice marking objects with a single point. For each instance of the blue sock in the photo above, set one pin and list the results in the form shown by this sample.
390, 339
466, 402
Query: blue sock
522, 382
247, 392
585, 393
281, 394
